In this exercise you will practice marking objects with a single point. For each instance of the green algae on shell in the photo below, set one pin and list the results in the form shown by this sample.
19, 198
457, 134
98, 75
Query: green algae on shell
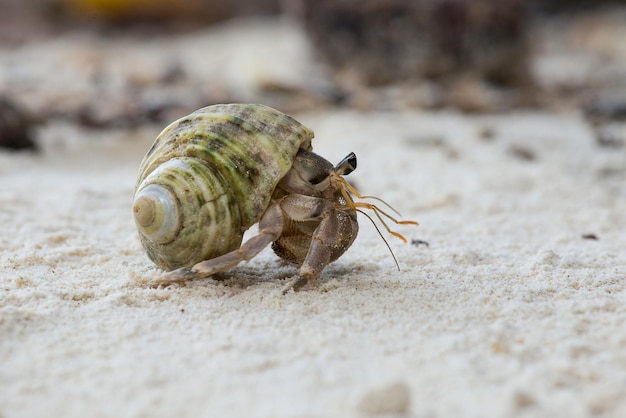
209, 176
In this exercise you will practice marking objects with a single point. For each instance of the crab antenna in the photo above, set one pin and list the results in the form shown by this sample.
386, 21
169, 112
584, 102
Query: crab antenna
345, 192
381, 235
355, 192
377, 212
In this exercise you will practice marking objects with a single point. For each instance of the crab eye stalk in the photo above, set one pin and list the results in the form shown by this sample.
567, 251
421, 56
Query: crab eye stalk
347, 165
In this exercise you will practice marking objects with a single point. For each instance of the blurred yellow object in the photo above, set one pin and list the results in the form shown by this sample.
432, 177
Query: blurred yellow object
148, 9
114, 7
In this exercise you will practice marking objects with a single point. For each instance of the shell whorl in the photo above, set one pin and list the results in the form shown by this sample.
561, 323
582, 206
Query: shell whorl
183, 209
150, 205
208, 177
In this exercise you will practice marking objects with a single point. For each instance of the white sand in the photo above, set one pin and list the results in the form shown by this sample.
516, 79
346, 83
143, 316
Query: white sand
508, 312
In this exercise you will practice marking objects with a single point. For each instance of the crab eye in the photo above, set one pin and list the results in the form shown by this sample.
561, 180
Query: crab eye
347, 165
318, 178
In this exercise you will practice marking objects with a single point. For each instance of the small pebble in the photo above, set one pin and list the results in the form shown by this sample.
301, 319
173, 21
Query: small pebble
522, 153
522, 400
590, 236
418, 242
394, 398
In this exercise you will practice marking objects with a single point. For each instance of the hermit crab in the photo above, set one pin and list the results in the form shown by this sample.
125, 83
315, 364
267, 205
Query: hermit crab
211, 175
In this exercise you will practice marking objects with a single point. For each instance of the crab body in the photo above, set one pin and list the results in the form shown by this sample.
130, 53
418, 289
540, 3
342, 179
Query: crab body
211, 175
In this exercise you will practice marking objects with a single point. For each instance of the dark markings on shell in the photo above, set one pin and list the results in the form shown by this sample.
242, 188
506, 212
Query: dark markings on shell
151, 150
230, 159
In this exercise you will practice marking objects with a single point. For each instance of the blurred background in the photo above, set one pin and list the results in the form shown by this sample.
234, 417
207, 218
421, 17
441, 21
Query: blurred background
120, 64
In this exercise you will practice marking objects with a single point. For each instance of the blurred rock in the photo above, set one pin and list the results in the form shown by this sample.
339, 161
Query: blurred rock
22, 21
607, 117
384, 41
569, 6
15, 127
605, 108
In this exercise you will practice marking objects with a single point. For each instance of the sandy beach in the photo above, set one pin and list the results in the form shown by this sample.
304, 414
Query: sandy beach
515, 308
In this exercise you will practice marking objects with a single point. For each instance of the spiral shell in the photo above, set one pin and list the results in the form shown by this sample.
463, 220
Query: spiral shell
208, 177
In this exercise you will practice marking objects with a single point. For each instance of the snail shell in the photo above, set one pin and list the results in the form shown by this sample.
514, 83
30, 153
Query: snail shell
208, 177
